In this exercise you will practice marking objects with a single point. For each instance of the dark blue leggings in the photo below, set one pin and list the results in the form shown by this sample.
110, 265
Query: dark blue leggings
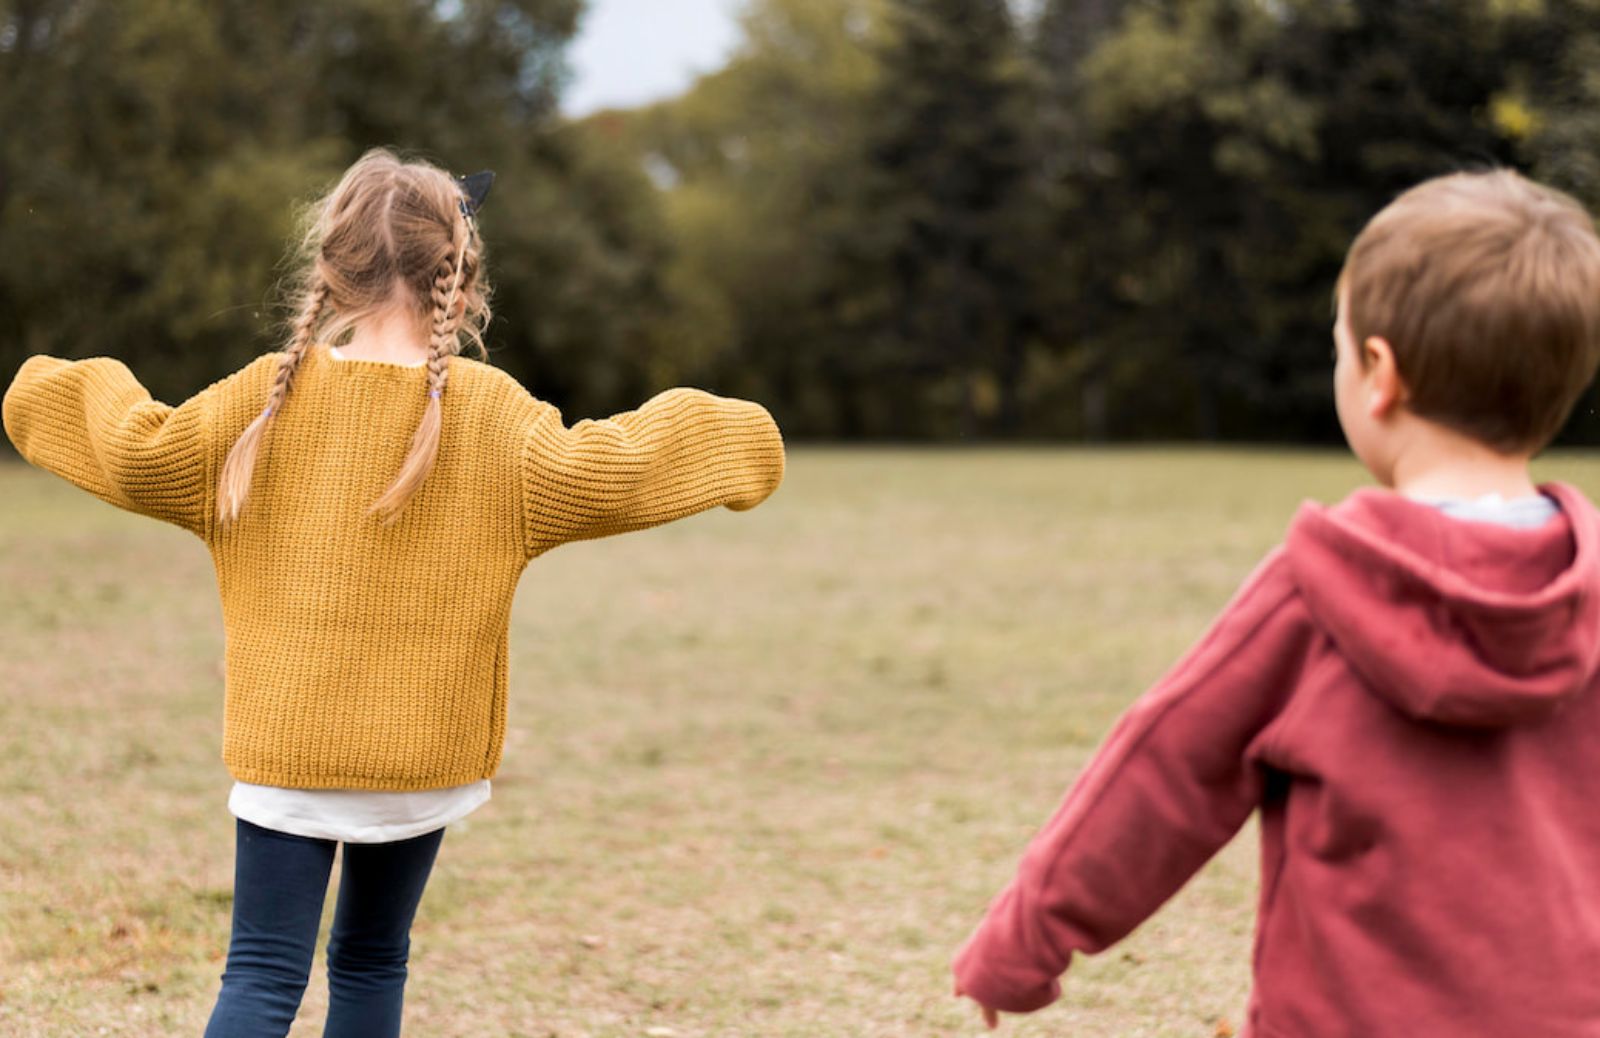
279, 885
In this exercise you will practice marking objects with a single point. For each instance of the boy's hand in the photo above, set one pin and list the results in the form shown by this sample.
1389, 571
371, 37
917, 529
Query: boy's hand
991, 1017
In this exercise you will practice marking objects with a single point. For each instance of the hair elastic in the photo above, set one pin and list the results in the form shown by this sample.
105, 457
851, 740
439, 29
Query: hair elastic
434, 393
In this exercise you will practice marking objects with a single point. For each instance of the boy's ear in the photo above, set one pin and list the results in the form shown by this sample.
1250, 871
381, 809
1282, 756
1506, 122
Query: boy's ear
1385, 389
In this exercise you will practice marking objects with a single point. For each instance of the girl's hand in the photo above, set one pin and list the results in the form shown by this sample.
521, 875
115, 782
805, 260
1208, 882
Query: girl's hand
991, 1017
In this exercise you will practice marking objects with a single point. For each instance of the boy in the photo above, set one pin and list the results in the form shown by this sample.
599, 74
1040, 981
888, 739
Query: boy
1408, 690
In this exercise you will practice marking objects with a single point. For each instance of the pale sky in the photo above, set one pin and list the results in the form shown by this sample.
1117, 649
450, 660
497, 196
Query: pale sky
629, 52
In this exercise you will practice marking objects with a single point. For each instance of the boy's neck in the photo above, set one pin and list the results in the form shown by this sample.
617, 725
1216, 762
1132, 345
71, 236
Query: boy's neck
1440, 463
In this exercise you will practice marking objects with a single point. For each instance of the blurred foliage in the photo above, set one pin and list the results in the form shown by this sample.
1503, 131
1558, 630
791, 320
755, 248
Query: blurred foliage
1116, 219
932, 219
155, 155
761, 167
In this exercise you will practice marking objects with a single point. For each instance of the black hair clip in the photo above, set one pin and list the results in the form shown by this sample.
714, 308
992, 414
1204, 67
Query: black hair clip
475, 187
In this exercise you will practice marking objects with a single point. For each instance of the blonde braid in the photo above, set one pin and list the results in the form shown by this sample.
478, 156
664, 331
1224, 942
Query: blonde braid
305, 327
443, 342
444, 339
233, 486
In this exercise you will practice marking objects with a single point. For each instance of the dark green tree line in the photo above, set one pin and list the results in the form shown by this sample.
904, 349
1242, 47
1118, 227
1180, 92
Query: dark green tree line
1120, 220
915, 219
153, 156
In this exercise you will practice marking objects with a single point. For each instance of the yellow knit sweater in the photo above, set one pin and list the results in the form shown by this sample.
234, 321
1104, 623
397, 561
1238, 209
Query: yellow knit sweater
361, 656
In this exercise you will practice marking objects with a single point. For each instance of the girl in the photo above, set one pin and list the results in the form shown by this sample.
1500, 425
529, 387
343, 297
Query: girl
370, 497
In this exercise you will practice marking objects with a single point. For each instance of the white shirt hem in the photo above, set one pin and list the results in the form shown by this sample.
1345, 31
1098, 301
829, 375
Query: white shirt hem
354, 816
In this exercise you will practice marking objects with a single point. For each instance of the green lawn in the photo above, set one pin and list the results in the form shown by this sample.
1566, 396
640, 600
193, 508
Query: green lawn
763, 770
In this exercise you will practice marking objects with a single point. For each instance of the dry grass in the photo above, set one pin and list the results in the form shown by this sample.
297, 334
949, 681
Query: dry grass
763, 773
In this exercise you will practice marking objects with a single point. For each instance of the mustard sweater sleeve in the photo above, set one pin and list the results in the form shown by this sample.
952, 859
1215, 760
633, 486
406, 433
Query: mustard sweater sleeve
682, 452
92, 423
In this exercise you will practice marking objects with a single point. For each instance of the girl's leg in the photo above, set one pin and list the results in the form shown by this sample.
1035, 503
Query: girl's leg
379, 888
278, 888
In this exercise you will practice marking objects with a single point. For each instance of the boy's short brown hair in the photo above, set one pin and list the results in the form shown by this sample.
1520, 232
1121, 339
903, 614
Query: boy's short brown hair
1487, 286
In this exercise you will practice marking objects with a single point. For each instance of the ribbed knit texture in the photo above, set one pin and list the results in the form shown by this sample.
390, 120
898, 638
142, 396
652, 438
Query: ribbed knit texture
361, 656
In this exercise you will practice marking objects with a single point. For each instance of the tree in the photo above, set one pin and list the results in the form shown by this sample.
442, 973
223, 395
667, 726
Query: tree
155, 155
885, 218
1075, 286
1191, 137
1225, 152
758, 165
935, 260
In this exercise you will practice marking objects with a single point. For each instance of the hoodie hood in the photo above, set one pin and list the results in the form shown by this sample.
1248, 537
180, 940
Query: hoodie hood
1457, 622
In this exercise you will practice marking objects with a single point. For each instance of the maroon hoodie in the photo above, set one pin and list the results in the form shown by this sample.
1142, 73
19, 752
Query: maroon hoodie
1411, 701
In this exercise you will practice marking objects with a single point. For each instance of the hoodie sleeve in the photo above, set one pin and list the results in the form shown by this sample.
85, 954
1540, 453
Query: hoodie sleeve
1171, 785
92, 423
681, 452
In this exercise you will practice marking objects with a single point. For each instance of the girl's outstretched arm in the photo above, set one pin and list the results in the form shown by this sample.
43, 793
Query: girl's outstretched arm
92, 423
682, 452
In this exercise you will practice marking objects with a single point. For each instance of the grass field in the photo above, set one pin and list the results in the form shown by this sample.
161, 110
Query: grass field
763, 771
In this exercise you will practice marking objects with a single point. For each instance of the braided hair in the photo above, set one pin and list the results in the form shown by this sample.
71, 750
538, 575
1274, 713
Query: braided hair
390, 232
